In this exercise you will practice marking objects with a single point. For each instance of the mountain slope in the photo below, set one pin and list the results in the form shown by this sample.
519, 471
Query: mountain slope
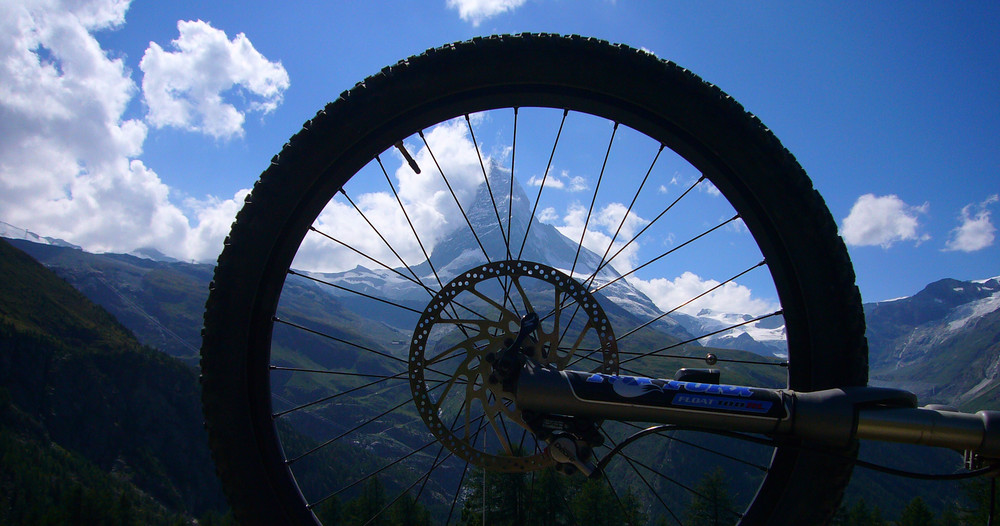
160, 302
462, 249
76, 378
942, 343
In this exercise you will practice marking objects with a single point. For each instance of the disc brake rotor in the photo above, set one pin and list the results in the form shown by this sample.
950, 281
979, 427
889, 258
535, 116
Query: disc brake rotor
461, 397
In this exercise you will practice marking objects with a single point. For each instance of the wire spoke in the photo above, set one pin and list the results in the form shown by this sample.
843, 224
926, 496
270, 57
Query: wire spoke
689, 489
424, 477
347, 342
688, 302
486, 178
649, 225
345, 373
510, 194
667, 253
593, 200
339, 340
345, 433
455, 197
379, 234
337, 395
643, 478
713, 333
614, 493
409, 222
624, 218
672, 438
345, 289
372, 474
545, 176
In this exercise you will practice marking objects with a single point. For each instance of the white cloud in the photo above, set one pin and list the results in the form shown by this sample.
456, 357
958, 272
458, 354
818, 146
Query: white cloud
730, 298
601, 230
429, 205
613, 217
187, 88
213, 220
550, 182
883, 221
69, 161
563, 181
476, 11
976, 231
548, 215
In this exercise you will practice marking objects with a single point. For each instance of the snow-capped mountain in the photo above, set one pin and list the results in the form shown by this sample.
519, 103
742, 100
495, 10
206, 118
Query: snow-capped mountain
942, 343
765, 336
460, 251
949, 329
10, 231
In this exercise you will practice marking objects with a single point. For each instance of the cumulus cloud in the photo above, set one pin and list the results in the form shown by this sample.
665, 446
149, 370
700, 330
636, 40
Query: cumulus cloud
976, 230
212, 217
69, 160
882, 221
428, 202
187, 88
548, 215
476, 11
562, 181
668, 294
604, 222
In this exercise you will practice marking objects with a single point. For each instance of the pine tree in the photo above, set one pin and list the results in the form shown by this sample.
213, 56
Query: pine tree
406, 511
368, 504
858, 515
506, 499
712, 504
976, 510
916, 513
549, 505
595, 505
633, 515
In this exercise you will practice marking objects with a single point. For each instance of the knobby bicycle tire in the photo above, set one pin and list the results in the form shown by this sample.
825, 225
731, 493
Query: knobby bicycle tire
733, 149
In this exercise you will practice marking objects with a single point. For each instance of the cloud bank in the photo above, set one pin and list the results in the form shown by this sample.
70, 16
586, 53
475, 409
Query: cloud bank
732, 297
69, 159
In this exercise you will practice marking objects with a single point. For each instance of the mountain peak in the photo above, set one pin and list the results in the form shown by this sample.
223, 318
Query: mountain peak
500, 222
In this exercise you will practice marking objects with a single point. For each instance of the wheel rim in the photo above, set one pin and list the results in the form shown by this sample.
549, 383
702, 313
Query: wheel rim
308, 411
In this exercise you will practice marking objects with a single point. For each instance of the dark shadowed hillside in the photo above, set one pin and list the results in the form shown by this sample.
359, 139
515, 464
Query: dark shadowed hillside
89, 415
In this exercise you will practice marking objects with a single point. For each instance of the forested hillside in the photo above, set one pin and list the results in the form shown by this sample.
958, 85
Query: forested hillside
96, 428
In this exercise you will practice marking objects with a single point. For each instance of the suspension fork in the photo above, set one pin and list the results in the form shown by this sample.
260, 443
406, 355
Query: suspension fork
833, 417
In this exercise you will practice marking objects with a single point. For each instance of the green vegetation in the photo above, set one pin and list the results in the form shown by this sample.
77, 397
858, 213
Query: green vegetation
711, 504
971, 510
548, 498
94, 425
99, 428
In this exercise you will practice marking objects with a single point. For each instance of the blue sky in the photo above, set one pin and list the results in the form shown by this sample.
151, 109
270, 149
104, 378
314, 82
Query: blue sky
128, 125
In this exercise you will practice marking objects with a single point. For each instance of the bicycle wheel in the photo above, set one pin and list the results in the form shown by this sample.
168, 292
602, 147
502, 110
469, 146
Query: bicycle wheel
400, 238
